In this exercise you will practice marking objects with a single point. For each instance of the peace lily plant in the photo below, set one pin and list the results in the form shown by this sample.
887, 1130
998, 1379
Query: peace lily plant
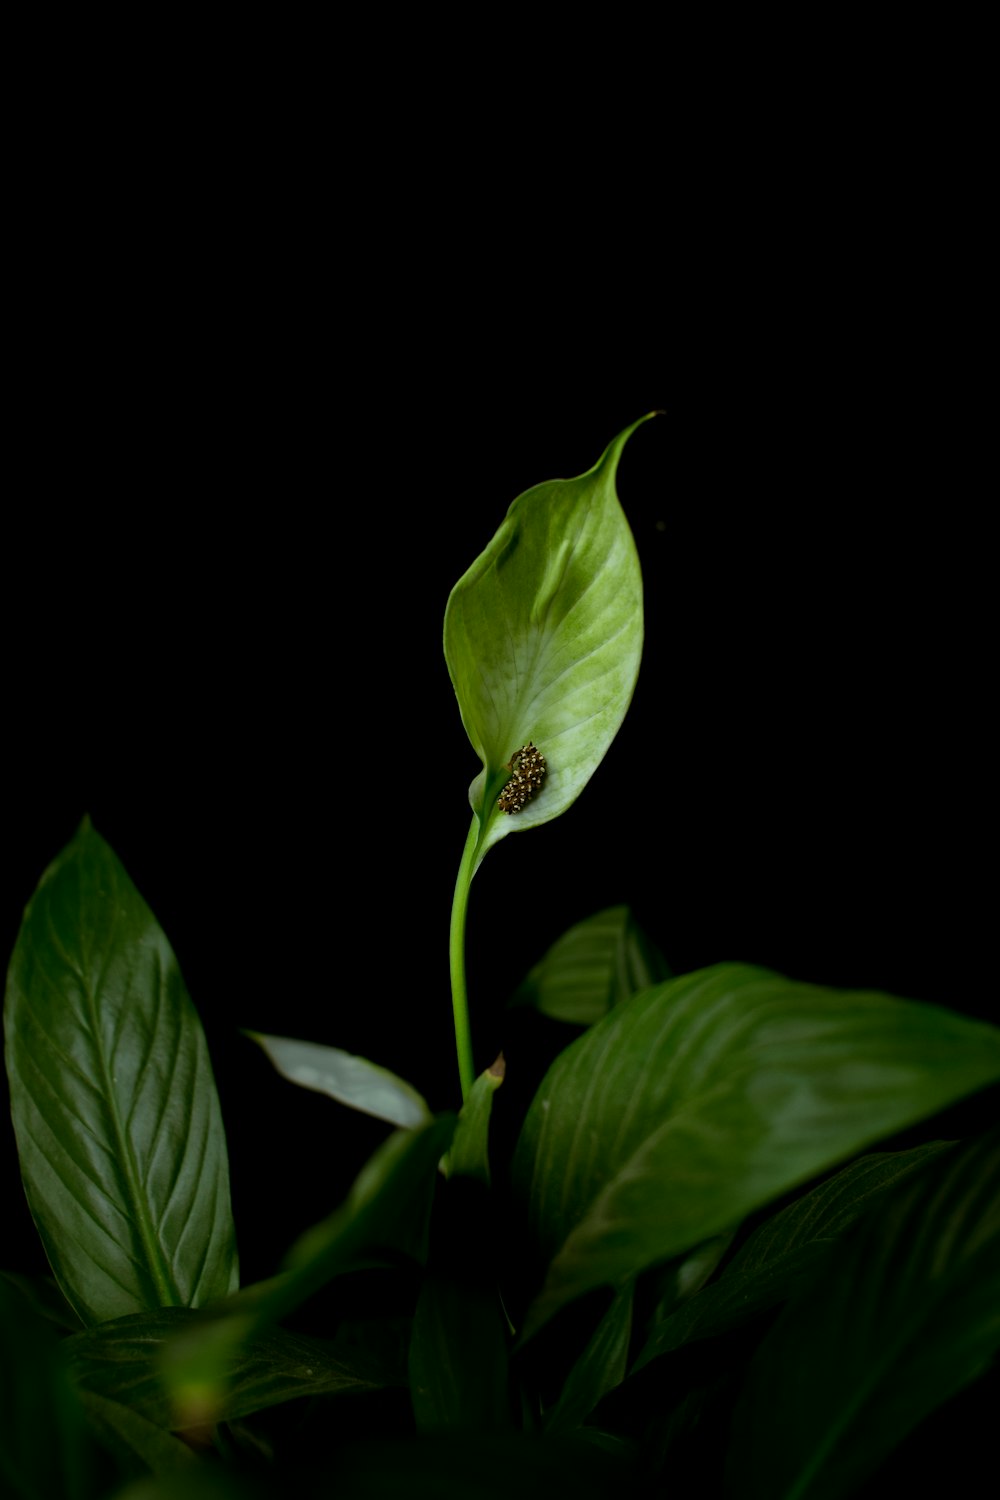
709, 1264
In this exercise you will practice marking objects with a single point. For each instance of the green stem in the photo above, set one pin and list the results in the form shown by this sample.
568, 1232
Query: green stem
459, 994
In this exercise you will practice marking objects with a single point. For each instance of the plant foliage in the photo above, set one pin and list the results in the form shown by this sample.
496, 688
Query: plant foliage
709, 1251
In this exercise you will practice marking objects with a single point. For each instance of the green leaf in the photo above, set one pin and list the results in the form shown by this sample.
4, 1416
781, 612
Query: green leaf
387, 1209
137, 1445
458, 1360
122, 1362
469, 1154
906, 1314
351, 1080
592, 968
118, 1126
599, 1369
680, 1279
42, 1293
543, 637
786, 1251
489, 1466
44, 1447
458, 1353
701, 1100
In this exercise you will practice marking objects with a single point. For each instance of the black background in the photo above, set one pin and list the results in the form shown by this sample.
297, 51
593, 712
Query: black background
257, 441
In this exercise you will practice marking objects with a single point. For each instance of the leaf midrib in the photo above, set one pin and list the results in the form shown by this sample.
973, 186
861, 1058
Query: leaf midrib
163, 1281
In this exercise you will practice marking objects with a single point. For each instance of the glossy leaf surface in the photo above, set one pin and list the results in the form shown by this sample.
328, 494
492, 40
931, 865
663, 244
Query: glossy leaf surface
118, 1127
543, 637
786, 1250
906, 1314
351, 1080
704, 1098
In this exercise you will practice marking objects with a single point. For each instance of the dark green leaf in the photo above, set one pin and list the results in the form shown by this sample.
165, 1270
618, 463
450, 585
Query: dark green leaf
118, 1126
704, 1098
122, 1362
491, 1466
387, 1209
906, 1313
599, 1369
458, 1354
469, 1154
351, 1080
137, 1445
45, 1450
43, 1294
543, 637
786, 1250
592, 968
680, 1279
458, 1360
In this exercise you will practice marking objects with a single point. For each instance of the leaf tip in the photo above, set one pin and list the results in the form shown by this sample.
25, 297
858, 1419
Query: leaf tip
613, 452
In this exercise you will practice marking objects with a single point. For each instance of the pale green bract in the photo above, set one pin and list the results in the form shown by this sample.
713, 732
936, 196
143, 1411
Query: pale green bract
543, 637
